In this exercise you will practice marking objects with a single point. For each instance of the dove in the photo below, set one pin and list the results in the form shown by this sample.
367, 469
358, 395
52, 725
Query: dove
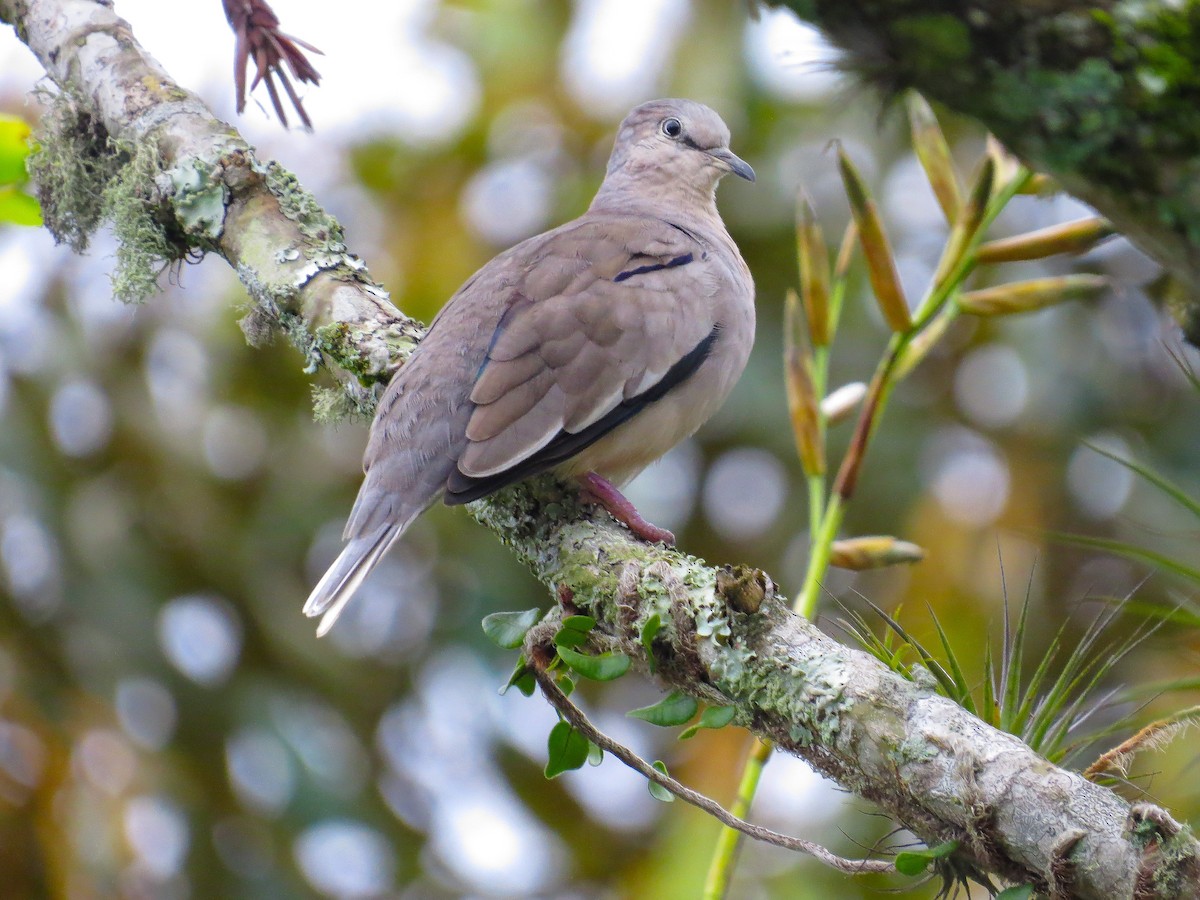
587, 351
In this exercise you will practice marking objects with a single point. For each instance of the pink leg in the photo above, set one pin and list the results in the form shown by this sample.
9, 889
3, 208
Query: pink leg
599, 490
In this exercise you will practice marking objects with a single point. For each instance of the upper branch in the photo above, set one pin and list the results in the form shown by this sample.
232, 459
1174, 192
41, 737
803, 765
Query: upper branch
728, 640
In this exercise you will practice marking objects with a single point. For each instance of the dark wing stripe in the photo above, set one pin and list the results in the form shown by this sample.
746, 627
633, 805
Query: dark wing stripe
461, 488
682, 260
518, 300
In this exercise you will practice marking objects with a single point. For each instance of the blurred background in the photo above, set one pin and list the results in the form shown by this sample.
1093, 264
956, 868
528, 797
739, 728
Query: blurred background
169, 725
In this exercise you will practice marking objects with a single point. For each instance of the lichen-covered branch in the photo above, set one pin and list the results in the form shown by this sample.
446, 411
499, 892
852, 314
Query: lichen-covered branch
1104, 96
119, 115
725, 636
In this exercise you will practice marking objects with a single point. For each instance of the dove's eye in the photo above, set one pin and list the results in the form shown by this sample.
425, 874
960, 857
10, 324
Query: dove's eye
672, 127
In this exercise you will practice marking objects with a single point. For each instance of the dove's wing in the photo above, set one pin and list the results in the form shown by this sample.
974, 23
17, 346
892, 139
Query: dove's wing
611, 316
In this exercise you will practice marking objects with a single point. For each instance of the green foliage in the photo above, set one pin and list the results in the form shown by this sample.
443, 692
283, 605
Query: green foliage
713, 717
674, 709
650, 629
508, 629
914, 862
16, 205
1017, 892
1169, 564
1048, 708
567, 749
604, 667
522, 679
657, 791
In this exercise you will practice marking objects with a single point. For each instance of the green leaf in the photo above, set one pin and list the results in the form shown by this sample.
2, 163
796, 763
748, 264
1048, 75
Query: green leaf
650, 629
657, 791
1169, 488
567, 749
713, 717
582, 624
522, 679
19, 208
14, 148
568, 638
1017, 892
674, 709
1119, 548
604, 667
507, 629
566, 684
595, 754
914, 862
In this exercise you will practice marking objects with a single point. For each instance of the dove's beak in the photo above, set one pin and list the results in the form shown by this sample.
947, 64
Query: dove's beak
731, 161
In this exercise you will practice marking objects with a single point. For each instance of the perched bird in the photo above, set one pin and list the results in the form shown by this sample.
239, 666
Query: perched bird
589, 350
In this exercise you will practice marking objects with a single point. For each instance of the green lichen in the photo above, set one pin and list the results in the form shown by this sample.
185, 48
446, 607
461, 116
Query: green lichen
131, 204
84, 177
333, 406
199, 200
323, 230
71, 163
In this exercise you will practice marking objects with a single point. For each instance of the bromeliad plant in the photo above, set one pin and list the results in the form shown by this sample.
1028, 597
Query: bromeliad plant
810, 327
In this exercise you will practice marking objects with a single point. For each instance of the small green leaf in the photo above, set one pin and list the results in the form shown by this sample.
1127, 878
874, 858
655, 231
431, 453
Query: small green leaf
582, 624
657, 791
1017, 892
19, 208
674, 709
604, 667
568, 638
595, 754
507, 629
566, 684
650, 629
567, 749
914, 862
713, 717
522, 679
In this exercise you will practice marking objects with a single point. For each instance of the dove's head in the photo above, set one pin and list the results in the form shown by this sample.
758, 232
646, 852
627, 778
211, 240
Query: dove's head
677, 142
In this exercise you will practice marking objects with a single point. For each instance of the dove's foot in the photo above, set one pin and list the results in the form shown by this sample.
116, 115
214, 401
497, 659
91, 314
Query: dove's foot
596, 489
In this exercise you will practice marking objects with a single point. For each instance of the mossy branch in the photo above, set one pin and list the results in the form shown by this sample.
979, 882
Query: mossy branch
925, 761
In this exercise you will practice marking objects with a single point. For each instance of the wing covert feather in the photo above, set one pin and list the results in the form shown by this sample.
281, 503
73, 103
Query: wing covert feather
627, 305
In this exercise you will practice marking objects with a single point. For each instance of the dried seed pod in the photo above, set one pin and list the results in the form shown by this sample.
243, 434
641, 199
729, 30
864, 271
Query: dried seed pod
838, 405
802, 398
814, 271
874, 552
1074, 237
1027, 296
934, 155
881, 267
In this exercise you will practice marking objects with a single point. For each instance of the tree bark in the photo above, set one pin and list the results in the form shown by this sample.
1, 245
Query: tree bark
726, 636
1104, 96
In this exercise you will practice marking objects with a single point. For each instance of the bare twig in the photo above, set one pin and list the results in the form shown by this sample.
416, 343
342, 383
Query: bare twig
575, 716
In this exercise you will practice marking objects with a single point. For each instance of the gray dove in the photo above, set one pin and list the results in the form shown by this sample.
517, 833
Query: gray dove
588, 351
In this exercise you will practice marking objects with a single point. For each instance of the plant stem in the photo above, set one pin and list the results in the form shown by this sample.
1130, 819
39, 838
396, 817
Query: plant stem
720, 870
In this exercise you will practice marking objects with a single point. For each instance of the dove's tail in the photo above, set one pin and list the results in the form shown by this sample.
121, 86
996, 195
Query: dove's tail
345, 576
